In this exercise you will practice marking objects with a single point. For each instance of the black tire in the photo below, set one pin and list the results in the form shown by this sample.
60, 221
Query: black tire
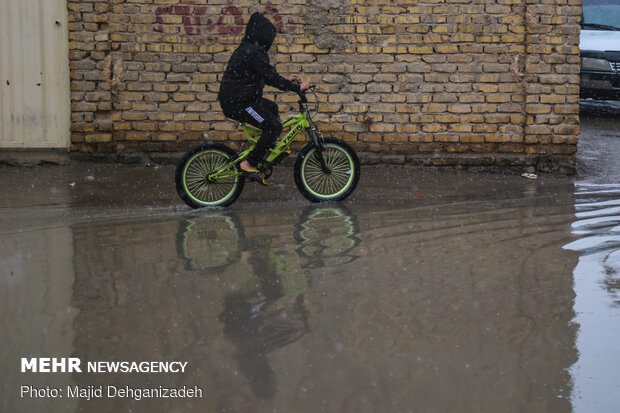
191, 177
327, 236
210, 242
318, 186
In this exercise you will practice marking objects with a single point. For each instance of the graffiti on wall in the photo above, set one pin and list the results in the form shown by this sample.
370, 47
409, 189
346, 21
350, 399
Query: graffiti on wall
195, 20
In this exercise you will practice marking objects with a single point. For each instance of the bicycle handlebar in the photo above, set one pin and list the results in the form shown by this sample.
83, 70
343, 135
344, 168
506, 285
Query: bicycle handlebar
303, 100
302, 93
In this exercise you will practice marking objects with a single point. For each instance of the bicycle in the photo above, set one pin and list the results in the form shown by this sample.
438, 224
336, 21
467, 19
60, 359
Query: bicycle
326, 169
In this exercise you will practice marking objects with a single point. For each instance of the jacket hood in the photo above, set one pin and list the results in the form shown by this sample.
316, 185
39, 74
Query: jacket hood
260, 30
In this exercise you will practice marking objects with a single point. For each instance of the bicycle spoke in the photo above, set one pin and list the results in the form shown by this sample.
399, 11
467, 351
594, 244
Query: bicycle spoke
197, 177
331, 183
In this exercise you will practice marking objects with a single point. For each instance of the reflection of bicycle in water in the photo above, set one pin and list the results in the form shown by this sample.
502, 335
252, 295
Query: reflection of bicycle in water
210, 242
267, 308
327, 236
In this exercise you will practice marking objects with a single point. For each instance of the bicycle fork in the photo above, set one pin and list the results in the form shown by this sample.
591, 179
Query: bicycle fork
317, 139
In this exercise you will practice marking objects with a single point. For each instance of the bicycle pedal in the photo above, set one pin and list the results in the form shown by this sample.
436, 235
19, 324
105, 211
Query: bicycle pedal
255, 176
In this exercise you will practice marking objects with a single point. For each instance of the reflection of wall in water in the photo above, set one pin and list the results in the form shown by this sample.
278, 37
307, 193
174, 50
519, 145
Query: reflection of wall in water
36, 275
142, 298
439, 309
444, 309
138, 303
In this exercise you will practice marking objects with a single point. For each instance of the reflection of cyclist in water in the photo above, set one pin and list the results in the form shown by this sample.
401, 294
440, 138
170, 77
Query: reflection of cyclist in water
264, 317
267, 311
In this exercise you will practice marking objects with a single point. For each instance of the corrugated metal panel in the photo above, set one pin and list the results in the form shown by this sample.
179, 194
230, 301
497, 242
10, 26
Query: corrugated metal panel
34, 74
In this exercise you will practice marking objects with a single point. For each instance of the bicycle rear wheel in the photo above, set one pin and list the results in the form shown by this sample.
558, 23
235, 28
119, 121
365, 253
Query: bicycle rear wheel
192, 180
338, 183
210, 242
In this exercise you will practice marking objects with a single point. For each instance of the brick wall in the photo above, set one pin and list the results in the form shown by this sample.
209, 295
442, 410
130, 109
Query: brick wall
467, 83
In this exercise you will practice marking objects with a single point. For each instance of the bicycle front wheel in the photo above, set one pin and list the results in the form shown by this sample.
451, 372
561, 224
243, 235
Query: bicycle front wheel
194, 181
335, 184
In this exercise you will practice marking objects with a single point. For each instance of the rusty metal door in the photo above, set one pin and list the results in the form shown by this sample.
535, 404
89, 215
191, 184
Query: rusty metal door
34, 74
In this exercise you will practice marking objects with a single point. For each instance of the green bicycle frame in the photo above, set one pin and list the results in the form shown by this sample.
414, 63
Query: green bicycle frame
297, 124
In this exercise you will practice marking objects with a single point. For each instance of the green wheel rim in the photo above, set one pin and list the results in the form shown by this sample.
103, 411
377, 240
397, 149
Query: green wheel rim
196, 182
211, 242
334, 184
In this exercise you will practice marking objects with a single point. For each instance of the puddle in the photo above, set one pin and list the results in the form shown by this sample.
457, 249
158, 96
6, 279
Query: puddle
424, 292
596, 374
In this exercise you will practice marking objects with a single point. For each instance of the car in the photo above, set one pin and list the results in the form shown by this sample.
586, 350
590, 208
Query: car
600, 49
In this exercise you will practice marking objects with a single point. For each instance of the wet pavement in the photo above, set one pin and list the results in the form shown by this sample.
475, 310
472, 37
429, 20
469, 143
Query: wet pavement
426, 291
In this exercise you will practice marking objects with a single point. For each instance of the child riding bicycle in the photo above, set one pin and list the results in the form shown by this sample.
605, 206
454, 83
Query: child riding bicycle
241, 90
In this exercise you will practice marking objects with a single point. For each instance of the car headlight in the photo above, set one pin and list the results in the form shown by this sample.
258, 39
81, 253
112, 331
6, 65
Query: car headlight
591, 63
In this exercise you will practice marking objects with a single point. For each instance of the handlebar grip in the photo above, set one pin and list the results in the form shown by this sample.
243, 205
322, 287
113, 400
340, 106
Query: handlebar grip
303, 92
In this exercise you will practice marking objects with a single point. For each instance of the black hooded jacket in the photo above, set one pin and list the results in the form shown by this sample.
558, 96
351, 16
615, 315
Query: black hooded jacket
249, 69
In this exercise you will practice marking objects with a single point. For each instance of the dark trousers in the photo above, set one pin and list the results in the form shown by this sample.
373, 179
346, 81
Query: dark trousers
262, 114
